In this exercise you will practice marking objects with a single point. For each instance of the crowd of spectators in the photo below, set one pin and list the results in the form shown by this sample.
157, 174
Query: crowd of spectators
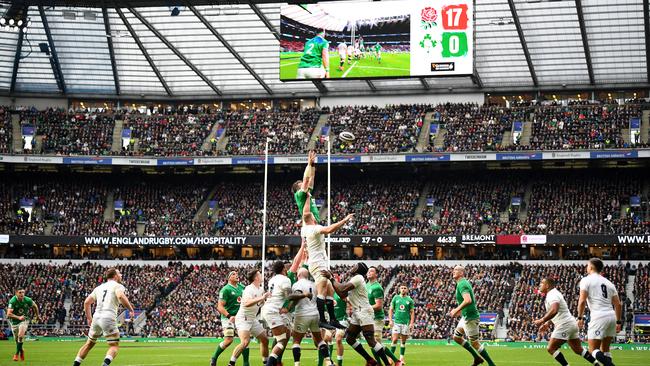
166, 208
455, 205
5, 131
460, 205
169, 135
471, 127
377, 206
581, 126
71, 133
642, 289
528, 304
394, 128
576, 205
289, 131
388, 129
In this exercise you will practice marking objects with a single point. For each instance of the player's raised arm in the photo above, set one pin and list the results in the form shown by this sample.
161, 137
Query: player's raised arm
121, 296
336, 226
299, 258
306, 209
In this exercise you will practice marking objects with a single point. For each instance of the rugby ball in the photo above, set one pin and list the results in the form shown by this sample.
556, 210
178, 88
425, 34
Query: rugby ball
346, 136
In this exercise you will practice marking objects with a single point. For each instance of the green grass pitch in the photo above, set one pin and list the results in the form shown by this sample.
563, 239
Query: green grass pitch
392, 64
199, 353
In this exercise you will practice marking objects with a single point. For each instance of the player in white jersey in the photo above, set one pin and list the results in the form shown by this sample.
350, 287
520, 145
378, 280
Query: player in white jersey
246, 320
350, 53
306, 318
280, 288
565, 327
605, 309
343, 50
107, 298
317, 261
362, 318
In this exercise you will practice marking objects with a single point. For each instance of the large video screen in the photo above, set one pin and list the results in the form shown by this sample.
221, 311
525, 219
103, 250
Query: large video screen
359, 40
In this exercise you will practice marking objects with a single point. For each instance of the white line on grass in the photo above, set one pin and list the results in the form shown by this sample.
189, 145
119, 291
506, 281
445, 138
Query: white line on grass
350, 69
384, 68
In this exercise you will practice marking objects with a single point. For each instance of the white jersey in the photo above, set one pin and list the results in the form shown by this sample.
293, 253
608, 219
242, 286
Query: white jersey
358, 297
305, 307
106, 300
250, 292
280, 287
315, 245
350, 49
563, 315
342, 48
599, 295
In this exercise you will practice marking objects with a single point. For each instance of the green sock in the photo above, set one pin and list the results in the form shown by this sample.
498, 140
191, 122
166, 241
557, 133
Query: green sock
486, 356
402, 349
339, 360
331, 346
320, 359
246, 353
471, 349
17, 347
393, 347
390, 354
374, 354
218, 351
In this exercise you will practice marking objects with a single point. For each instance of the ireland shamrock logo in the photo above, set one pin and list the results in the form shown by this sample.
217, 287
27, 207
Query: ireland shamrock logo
428, 43
429, 17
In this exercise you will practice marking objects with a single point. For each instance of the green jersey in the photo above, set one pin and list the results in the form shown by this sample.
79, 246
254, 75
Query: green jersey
20, 308
301, 198
377, 47
375, 292
340, 308
470, 311
312, 54
402, 306
231, 295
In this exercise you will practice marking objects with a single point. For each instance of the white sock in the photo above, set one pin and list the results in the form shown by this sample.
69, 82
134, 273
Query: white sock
109, 357
378, 346
78, 359
233, 359
339, 357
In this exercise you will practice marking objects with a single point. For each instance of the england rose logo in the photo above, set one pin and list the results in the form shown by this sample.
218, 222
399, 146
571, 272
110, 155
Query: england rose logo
428, 16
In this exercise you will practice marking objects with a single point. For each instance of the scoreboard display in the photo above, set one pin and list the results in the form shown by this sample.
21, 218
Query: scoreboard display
357, 40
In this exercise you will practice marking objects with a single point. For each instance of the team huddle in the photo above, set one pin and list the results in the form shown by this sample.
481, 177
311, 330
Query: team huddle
304, 296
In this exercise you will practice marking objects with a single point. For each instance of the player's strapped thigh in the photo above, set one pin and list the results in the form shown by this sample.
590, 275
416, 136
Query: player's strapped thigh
379, 329
228, 328
459, 332
471, 328
113, 339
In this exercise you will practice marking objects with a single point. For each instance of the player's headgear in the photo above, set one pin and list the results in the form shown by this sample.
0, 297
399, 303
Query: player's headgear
231, 273
597, 264
362, 269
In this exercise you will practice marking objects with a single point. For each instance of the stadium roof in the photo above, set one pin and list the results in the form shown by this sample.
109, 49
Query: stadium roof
217, 50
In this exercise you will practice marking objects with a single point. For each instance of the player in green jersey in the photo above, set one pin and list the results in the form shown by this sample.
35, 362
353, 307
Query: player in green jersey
18, 315
402, 316
468, 325
376, 299
315, 60
377, 49
228, 306
300, 188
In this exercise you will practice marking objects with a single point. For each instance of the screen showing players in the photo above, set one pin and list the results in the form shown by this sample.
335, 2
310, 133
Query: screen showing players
402, 38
